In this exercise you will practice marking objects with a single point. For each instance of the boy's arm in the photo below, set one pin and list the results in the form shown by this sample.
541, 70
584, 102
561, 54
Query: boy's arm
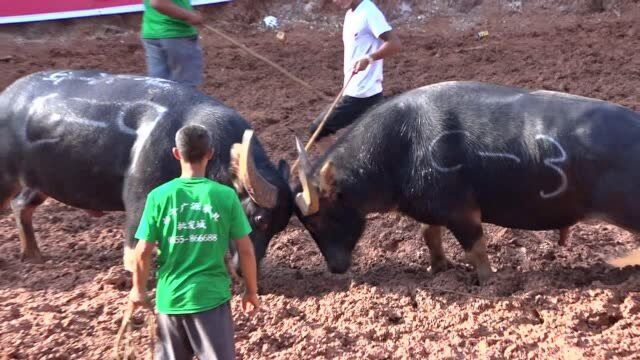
138, 295
381, 29
390, 46
167, 7
239, 233
148, 232
249, 272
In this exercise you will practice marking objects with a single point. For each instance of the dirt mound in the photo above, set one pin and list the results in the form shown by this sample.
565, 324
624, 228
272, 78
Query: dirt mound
544, 302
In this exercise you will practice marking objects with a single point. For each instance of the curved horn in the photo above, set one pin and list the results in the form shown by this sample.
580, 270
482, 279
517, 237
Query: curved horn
234, 166
307, 200
261, 191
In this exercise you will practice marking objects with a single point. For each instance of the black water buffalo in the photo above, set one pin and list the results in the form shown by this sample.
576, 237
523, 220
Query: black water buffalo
101, 142
456, 154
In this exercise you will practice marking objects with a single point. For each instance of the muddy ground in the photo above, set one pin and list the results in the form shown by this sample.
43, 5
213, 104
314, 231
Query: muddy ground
545, 301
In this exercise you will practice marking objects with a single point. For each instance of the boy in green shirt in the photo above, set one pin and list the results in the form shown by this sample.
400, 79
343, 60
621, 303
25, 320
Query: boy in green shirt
191, 220
170, 41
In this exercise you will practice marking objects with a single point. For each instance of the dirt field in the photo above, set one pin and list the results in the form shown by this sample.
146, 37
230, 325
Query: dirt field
545, 301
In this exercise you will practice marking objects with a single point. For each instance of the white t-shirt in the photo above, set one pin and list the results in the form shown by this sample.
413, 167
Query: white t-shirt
360, 35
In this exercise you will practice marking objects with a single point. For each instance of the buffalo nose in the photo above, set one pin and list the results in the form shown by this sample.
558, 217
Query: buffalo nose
339, 266
338, 260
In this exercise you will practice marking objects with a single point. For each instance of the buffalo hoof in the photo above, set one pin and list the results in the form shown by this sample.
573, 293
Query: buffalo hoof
484, 277
33, 257
95, 213
563, 236
440, 266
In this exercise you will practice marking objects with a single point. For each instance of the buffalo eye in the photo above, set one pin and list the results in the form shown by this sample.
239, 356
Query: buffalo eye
261, 221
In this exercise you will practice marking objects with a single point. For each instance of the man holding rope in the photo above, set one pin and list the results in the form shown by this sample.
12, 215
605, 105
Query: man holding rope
367, 39
191, 220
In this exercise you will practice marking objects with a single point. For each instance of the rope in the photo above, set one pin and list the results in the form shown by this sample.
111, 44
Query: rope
326, 116
324, 120
276, 66
128, 352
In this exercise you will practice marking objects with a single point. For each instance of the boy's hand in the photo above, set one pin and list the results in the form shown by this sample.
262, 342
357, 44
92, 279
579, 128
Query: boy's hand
361, 64
250, 298
139, 298
195, 18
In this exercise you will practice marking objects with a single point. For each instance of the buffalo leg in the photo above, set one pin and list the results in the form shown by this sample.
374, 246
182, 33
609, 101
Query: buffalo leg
433, 238
23, 207
564, 236
478, 257
469, 233
6, 194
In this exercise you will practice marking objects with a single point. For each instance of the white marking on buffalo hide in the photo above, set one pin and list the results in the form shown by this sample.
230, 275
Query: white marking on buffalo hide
143, 132
48, 105
433, 145
63, 110
548, 162
60, 76
122, 126
561, 95
122, 112
95, 80
552, 164
502, 155
148, 80
124, 108
459, 166
57, 77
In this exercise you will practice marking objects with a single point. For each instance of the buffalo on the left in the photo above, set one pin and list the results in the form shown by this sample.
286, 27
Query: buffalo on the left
101, 142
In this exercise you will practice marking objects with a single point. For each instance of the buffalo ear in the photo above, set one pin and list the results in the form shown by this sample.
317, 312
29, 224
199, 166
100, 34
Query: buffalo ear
284, 170
328, 180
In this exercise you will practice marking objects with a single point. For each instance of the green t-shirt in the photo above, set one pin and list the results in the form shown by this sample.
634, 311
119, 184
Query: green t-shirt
156, 25
192, 221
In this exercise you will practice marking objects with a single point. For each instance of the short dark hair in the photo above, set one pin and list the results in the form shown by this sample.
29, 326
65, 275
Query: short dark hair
193, 142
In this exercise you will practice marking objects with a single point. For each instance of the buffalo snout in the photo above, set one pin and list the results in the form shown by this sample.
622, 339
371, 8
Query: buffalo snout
339, 262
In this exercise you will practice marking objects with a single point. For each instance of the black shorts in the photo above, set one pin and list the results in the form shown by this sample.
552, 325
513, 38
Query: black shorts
346, 112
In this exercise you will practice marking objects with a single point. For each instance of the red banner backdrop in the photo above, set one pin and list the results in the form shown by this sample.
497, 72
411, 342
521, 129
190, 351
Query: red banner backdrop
37, 10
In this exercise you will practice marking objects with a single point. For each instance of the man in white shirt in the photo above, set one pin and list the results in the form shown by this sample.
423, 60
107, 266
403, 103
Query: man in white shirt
367, 39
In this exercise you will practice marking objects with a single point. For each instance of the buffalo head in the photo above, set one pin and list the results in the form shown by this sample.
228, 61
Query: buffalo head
327, 211
264, 192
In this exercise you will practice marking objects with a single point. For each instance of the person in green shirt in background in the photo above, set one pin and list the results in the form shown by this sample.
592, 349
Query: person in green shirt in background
191, 220
170, 41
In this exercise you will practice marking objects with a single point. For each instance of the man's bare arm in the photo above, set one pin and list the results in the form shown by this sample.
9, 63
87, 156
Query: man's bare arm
143, 253
249, 272
390, 46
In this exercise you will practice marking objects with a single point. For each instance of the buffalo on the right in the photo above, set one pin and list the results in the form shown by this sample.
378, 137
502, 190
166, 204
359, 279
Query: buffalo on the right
458, 154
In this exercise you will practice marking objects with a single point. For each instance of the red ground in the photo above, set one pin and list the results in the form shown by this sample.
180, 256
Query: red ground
545, 301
